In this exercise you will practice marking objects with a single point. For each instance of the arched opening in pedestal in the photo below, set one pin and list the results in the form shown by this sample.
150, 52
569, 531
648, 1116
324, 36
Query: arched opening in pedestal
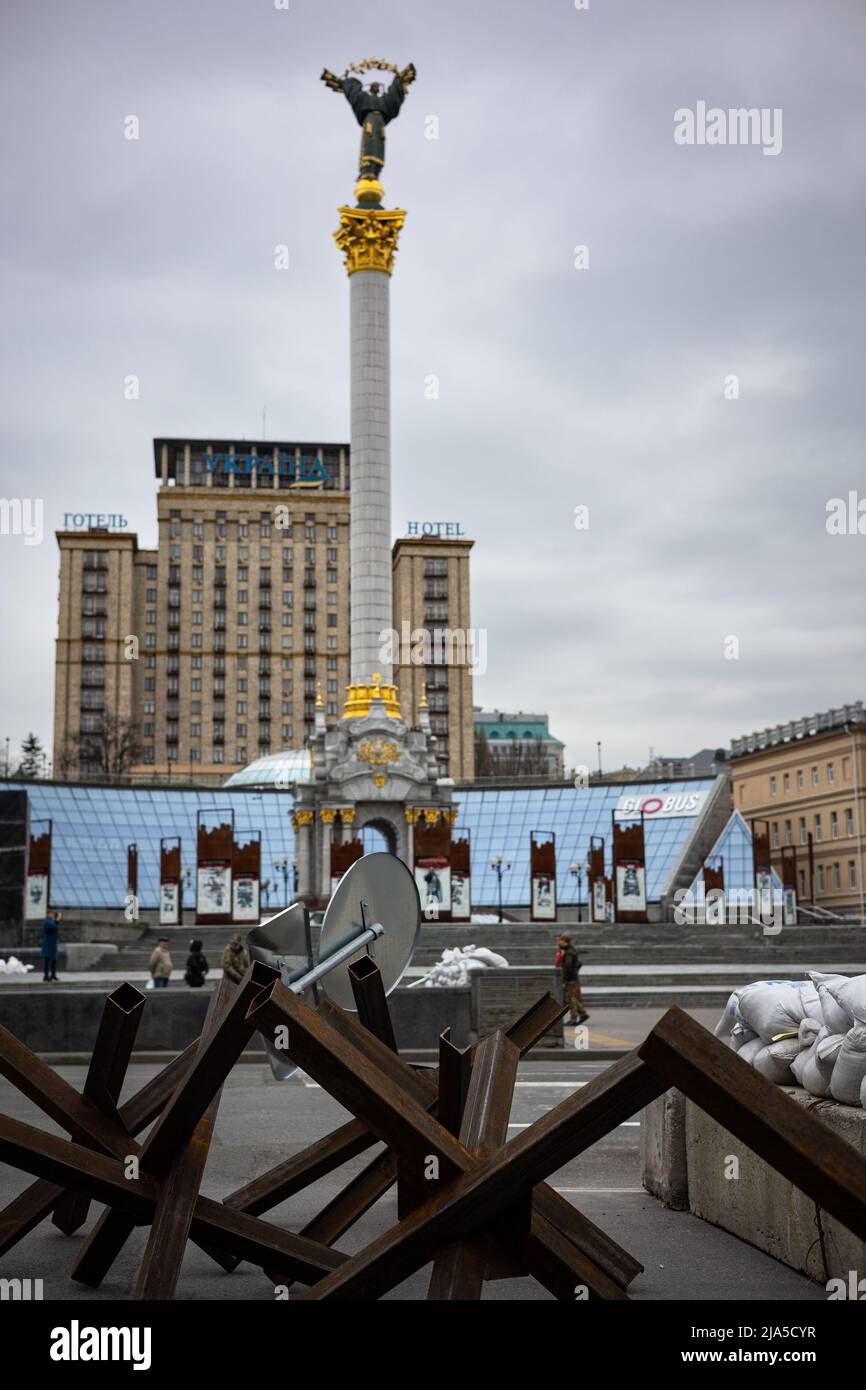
377, 836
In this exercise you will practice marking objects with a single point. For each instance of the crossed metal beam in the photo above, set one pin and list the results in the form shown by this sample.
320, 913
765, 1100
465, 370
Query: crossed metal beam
477, 1207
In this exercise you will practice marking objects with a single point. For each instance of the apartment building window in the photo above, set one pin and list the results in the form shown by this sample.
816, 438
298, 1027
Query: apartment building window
310, 533
786, 782
198, 530
849, 822
197, 574
332, 555
219, 755
243, 530
802, 873
287, 733
332, 619
150, 682
96, 559
332, 663
95, 584
150, 639
332, 687
240, 755
332, 533
243, 595
332, 576
831, 773
820, 878
332, 707
151, 571
837, 878
195, 730
818, 828
434, 569
196, 640
774, 828
772, 786
332, 644
852, 874
801, 779
834, 825
803, 831
197, 618
195, 683
815, 777
243, 641
240, 731
148, 755
148, 730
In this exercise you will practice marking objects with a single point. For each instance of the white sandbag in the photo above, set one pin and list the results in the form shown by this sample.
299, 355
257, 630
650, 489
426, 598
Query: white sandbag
774, 1061
835, 1015
741, 1033
489, 957
851, 996
774, 1008
820, 1061
809, 1030
730, 1016
751, 1049
849, 1071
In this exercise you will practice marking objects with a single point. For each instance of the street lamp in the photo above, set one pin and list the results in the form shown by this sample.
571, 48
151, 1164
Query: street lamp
282, 867
500, 866
577, 869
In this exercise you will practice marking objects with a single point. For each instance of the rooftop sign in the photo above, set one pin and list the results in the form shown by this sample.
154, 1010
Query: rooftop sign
434, 528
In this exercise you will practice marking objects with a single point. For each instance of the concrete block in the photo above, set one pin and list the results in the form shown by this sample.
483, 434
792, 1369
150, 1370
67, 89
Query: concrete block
664, 1169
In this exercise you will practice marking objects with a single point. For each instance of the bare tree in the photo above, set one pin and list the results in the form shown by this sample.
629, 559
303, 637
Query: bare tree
110, 750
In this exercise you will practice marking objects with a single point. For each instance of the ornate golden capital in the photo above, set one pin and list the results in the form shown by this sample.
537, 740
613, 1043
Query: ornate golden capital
431, 816
412, 814
347, 815
328, 815
300, 818
368, 237
450, 816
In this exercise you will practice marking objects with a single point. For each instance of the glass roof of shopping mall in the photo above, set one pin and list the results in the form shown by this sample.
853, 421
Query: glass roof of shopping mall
279, 770
733, 852
94, 824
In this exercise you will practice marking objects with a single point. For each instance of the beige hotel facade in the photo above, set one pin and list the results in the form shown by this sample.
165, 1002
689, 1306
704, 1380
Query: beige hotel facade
190, 660
809, 777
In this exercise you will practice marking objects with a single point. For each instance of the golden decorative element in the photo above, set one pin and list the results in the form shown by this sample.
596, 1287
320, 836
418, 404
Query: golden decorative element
368, 237
372, 65
431, 816
379, 779
369, 192
319, 701
378, 751
423, 704
360, 697
450, 816
347, 815
300, 818
411, 813
328, 815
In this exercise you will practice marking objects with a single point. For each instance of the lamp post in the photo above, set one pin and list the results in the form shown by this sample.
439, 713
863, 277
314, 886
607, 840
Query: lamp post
577, 869
500, 866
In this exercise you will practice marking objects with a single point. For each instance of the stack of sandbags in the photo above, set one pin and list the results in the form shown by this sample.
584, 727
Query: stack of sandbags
809, 1033
459, 963
763, 1022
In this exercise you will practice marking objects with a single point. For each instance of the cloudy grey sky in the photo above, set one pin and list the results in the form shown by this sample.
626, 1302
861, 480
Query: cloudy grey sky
559, 387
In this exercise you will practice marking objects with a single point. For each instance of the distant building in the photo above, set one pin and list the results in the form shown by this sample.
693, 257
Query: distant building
516, 745
808, 777
705, 763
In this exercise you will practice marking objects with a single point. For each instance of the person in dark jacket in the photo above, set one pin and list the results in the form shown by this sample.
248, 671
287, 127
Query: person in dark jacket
569, 964
50, 944
196, 966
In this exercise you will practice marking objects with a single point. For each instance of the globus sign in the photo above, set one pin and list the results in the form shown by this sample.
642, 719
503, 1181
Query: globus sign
657, 806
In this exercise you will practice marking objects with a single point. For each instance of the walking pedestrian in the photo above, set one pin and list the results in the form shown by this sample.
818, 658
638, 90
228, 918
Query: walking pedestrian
234, 960
196, 966
569, 964
160, 964
50, 944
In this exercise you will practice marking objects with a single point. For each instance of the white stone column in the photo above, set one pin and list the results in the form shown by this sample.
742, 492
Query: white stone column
370, 533
302, 822
327, 818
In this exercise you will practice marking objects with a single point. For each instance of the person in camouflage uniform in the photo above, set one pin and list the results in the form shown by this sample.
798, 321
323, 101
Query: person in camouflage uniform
569, 965
234, 959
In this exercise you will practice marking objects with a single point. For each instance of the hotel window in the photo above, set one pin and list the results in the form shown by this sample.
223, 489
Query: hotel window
332, 663
243, 553
332, 533
195, 683
332, 555
198, 596
332, 596
849, 822
240, 730
150, 616
151, 595
309, 556
196, 664
772, 786
196, 640
198, 530
815, 777
219, 755
150, 682
241, 707
197, 618
820, 878
332, 644
831, 773
174, 552
834, 825
243, 530
151, 571
242, 684
243, 641
220, 554
332, 576
240, 755
803, 831
195, 707
332, 686
242, 619
310, 533
195, 755
789, 833
817, 827
837, 877
195, 730
786, 782
150, 639
287, 732
801, 780
332, 707
332, 620
852, 874
197, 574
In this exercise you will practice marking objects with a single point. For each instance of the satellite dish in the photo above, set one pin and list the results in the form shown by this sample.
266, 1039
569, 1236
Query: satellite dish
377, 888
283, 941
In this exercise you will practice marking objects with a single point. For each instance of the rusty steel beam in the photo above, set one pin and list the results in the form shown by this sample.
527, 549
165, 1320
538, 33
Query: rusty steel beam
458, 1272
793, 1141
121, 1016
371, 1000
476, 1198
455, 1069
67, 1164
172, 1219
297, 1172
